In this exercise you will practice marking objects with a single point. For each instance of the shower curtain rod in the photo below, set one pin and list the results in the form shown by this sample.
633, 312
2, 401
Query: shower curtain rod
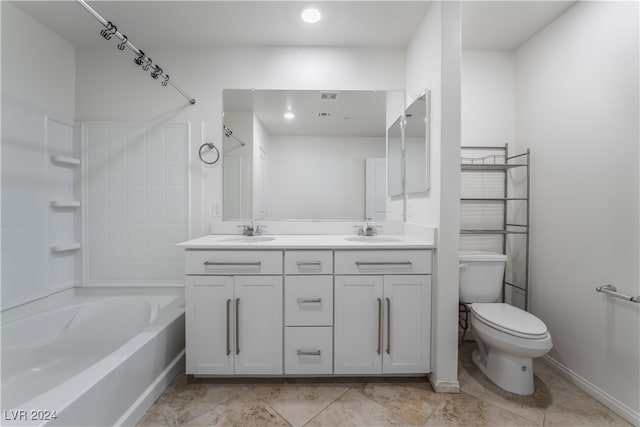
141, 55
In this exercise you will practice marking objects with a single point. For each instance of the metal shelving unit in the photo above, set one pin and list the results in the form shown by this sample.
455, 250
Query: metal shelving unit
503, 163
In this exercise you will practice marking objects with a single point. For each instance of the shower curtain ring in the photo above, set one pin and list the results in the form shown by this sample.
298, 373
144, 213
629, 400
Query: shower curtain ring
122, 45
145, 66
109, 31
139, 59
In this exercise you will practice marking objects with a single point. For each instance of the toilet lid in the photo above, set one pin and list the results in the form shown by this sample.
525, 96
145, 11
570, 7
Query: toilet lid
510, 319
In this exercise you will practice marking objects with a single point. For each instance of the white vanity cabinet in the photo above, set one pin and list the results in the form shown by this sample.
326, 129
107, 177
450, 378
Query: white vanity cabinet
308, 312
234, 312
382, 312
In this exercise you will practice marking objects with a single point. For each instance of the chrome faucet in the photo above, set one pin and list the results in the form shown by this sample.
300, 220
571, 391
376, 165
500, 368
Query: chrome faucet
251, 230
367, 229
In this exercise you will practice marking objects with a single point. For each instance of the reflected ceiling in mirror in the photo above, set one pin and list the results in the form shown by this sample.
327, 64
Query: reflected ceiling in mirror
307, 165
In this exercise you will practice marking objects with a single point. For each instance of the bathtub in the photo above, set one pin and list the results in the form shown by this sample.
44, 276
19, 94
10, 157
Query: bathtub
90, 357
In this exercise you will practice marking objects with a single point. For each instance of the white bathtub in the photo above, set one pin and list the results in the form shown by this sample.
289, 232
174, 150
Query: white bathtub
91, 358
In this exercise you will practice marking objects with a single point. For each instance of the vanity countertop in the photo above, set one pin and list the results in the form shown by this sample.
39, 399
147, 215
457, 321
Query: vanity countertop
306, 241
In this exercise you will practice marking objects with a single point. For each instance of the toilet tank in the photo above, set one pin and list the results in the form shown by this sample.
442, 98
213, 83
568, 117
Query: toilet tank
481, 276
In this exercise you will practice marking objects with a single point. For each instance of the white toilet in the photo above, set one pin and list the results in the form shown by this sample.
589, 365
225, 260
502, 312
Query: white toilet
507, 337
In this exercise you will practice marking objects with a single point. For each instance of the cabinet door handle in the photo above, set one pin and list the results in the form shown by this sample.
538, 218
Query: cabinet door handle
237, 264
237, 325
379, 325
308, 353
310, 301
228, 325
377, 263
306, 263
388, 325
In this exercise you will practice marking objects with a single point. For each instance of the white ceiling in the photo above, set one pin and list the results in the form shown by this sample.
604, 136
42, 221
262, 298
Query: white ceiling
502, 25
506, 25
236, 23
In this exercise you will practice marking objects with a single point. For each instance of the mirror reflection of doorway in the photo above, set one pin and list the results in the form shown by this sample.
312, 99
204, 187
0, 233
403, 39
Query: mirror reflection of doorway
375, 191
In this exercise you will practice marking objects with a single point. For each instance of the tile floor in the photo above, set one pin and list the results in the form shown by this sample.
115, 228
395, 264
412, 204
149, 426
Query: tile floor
378, 402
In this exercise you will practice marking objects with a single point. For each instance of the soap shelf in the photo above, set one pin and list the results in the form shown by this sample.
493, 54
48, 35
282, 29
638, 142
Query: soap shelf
65, 204
66, 247
68, 161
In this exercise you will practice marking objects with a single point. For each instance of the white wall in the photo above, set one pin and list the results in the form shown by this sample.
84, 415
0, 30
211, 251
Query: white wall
38, 66
433, 62
488, 98
314, 177
577, 108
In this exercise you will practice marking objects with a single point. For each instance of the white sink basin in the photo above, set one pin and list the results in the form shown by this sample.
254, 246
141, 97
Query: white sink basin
248, 239
373, 239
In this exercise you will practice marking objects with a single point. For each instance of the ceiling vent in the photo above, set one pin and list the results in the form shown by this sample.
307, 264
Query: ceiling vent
323, 114
328, 96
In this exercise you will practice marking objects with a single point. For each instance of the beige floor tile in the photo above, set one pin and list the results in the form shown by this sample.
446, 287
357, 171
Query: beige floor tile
573, 407
355, 409
414, 401
475, 383
246, 411
183, 402
466, 410
298, 403
153, 418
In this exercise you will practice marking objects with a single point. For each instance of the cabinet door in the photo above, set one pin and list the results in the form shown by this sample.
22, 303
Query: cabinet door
209, 325
407, 324
358, 325
258, 333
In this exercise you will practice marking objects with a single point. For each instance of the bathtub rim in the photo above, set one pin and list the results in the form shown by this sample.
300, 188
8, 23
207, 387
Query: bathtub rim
66, 393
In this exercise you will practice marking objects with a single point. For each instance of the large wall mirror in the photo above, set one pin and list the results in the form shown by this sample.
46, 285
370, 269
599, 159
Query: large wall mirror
304, 154
417, 144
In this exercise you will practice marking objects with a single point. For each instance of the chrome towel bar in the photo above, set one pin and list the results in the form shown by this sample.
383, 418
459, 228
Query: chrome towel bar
613, 291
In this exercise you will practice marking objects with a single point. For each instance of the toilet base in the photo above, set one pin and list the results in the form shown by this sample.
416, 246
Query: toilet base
513, 374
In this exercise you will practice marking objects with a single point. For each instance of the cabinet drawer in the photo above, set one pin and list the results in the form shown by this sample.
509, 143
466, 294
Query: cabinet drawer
383, 262
233, 262
308, 350
308, 300
308, 262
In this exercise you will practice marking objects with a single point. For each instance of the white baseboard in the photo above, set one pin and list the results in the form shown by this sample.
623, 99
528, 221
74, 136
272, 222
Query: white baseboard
594, 391
443, 386
140, 407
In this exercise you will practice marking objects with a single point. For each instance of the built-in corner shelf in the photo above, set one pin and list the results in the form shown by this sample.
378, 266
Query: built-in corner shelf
65, 204
65, 247
66, 161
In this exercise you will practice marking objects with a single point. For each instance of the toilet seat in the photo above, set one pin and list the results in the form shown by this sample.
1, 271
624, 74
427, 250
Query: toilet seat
510, 320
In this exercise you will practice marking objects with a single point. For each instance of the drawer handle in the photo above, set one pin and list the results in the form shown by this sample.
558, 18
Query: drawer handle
310, 301
227, 264
372, 263
308, 353
308, 263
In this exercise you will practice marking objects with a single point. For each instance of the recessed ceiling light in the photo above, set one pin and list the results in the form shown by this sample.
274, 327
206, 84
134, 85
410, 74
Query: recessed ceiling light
311, 14
289, 115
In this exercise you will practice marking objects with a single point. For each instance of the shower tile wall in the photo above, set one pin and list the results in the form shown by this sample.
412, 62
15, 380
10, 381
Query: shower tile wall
136, 202
31, 226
